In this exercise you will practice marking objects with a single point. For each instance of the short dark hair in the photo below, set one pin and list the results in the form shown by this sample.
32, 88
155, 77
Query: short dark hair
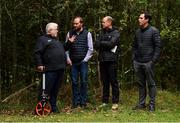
147, 15
80, 18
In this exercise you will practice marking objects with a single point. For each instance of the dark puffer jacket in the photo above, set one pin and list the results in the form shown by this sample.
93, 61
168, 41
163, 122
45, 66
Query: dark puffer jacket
50, 53
106, 41
79, 48
147, 45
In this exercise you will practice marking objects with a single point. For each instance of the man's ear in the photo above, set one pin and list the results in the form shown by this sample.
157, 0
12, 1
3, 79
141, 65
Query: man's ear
147, 20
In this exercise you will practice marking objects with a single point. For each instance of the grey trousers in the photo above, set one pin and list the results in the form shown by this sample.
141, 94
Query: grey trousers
145, 74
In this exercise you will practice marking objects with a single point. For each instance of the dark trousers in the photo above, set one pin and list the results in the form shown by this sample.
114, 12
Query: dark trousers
79, 89
145, 74
108, 71
53, 80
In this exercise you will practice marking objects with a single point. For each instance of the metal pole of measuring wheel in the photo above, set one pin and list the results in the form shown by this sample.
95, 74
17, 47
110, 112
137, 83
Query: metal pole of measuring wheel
43, 83
43, 107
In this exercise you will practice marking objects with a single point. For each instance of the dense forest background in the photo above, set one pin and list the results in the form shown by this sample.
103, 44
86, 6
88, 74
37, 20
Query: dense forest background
22, 21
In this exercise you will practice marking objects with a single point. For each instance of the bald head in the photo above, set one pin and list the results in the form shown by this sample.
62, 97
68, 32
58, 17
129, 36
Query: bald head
109, 18
107, 22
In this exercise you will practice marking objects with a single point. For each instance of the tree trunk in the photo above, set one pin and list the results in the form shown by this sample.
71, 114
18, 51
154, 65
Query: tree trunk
14, 53
178, 68
158, 14
0, 48
168, 16
98, 67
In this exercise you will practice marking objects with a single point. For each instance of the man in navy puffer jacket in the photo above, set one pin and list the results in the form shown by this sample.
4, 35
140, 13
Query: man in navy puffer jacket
108, 45
146, 51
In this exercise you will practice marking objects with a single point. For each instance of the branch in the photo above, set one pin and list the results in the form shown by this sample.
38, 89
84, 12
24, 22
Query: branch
126, 51
18, 92
8, 12
19, 4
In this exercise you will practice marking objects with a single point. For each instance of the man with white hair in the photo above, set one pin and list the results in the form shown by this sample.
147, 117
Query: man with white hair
50, 58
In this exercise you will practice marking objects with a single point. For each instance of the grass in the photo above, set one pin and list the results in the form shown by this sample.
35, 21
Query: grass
167, 110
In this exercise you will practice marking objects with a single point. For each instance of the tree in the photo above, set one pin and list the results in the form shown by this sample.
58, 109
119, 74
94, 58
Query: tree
22, 21
0, 47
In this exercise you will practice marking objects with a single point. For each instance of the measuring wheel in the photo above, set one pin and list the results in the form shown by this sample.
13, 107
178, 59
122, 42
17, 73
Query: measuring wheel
43, 108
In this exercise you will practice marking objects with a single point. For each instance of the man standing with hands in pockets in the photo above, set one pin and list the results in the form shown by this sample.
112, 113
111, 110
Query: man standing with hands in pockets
146, 51
78, 55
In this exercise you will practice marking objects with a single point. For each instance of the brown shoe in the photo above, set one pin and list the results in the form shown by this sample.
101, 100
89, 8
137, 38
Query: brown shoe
115, 106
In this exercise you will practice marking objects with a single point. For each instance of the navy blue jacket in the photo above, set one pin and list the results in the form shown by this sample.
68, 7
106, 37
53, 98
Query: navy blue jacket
106, 41
147, 45
79, 48
50, 53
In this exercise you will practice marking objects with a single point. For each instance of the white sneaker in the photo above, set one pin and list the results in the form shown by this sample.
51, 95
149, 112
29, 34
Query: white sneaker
103, 105
114, 106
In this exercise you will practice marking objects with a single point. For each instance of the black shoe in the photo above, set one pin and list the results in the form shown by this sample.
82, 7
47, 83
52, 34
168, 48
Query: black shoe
151, 108
139, 106
83, 105
74, 106
56, 111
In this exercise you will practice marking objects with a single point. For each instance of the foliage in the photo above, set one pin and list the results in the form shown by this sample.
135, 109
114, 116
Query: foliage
24, 20
169, 60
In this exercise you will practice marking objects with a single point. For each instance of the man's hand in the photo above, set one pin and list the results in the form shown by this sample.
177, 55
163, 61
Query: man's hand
40, 68
72, 39
69, 62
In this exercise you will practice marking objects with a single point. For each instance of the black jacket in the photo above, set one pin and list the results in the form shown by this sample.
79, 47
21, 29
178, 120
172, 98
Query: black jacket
50, 53
147, 45
106, 41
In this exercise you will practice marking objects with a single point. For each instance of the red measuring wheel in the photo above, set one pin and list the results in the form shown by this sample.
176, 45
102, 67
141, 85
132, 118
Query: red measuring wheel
43, 108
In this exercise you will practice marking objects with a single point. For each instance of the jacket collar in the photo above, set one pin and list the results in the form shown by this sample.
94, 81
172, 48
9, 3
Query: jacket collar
49, 36
144, 29
110, 29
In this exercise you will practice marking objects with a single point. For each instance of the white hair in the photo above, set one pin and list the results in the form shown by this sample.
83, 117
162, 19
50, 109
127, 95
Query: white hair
51, 25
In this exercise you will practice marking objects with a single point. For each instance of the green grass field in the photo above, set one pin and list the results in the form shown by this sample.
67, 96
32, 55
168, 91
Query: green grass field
167, 110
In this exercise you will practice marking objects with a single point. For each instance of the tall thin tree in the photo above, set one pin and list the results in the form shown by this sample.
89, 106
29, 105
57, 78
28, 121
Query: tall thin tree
0, 46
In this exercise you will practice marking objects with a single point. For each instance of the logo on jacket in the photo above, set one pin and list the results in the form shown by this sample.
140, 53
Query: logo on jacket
49, 40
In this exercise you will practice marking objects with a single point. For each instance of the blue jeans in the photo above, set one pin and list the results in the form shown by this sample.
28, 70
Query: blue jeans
79, 90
